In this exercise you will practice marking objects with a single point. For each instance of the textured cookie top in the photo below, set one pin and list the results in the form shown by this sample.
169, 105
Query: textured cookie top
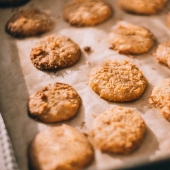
55, 52
60, 148
28, 23
168, 20
118, 130
117, 80
131, 39
54, 103
146, 7
160, 97
87, 12
162, 53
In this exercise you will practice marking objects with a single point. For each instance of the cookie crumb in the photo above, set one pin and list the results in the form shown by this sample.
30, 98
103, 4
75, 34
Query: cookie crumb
88, 49
94, 115
82, 124
130, 56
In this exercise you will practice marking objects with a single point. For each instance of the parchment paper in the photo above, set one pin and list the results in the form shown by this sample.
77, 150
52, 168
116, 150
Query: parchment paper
19, 78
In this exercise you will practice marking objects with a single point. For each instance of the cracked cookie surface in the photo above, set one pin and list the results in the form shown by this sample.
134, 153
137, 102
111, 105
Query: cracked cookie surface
128, 38
60, 148
160, 97
117, 81
145, 7
54, 103
162, 53
87, 13
118, 130
55, 52
30, 22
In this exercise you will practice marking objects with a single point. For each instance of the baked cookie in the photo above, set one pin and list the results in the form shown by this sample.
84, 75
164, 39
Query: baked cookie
30, 22
53, 103
145, 7
55, 52
128, 38
118, 130
160, 97
60, 148
87, 12
168, 20
12, 3
162, 53
117, 81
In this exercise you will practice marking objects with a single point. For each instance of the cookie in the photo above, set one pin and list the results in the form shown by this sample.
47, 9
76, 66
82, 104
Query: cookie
128, 38
60, 148
117, 81
168, 20
162, 53
87, 12
55, 52
54, 103
145, 7
12, 3
118, 130
30, 22
160, 97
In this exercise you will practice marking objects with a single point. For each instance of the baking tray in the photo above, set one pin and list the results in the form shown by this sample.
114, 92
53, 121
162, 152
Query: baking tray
19, 78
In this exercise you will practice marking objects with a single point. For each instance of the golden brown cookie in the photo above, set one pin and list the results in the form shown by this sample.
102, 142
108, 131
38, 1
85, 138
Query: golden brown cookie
60, 148
160, 97
54, 103
12, 3
118, 130
87, 12
55, 52
128, 38
30, 22
168, 20
117, 81
145, 7
162, 53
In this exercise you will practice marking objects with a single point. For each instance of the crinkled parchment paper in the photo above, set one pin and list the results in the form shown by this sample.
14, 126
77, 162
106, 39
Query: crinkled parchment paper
19, 78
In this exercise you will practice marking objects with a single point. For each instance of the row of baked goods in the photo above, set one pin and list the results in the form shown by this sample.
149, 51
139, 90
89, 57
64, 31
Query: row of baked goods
119, 130
34, 22
76, 9
125, 38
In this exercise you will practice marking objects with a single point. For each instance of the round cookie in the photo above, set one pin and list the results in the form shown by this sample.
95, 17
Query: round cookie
55, 52
54, 103
118, 130
162, 53
30, 22
145, 7
60, 148
168, 20
128, 38
117, 81
160, 97
87, 12
12, 3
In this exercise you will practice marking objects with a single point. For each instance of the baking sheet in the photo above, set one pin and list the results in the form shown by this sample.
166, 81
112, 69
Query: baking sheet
19, 78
